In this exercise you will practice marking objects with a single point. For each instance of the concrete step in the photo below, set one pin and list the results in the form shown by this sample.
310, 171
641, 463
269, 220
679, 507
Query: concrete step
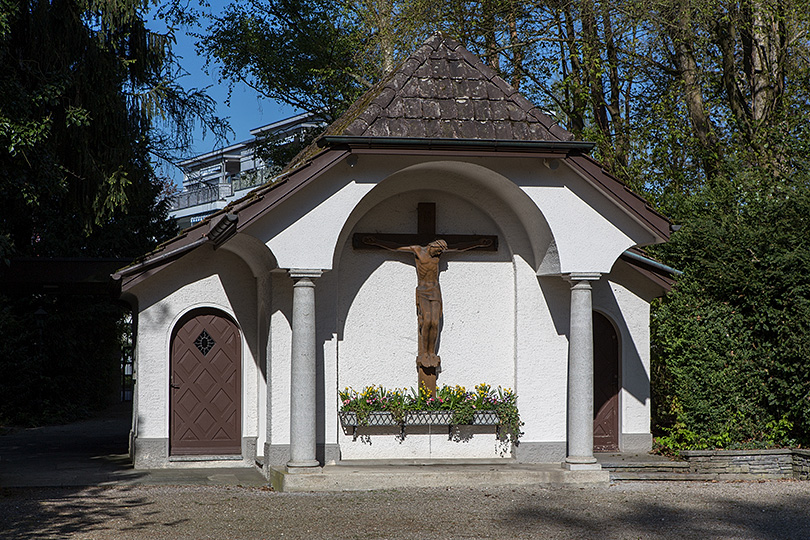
345, 477
661, 476
656, 469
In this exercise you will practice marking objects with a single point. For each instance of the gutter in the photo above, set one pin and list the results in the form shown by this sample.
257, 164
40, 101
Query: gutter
386, 142
651, 263
159, 258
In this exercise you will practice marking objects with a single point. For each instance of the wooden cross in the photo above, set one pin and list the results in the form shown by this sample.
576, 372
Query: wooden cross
426, 250
425, 234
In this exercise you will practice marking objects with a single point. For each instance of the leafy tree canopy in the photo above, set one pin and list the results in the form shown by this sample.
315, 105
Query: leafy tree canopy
702, 106
90, 102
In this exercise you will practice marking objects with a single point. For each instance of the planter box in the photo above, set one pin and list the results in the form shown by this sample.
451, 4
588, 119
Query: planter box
350, 419
429, 418
416, 418
489, 418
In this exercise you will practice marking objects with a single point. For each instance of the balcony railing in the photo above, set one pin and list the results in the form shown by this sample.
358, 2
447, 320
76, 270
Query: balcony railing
209, 192
201, 195
250, 179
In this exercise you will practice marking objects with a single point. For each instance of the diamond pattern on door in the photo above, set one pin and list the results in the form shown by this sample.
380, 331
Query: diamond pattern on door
205, 401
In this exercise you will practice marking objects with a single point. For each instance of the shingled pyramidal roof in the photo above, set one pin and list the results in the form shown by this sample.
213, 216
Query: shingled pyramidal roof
440, 93
444, 91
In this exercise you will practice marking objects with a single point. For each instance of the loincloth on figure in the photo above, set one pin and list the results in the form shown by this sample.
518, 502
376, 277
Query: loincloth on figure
427, 295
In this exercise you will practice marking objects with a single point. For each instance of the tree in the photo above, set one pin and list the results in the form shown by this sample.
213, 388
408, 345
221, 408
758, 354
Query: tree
732, 337
317, 56
89, 102
731, 341
701, 106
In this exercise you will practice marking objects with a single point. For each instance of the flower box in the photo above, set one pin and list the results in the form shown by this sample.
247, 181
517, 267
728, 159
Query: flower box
429, 418
415, 418
350, 419
450, 406
486, 418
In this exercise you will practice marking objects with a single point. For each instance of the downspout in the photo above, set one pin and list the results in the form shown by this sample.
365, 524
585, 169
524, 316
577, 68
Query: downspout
649, 262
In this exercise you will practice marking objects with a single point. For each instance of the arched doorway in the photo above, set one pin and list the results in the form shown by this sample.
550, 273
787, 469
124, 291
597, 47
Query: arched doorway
205, 385
605, 385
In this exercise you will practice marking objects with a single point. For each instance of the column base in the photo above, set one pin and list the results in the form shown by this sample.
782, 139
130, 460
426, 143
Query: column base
303, 467
581, 463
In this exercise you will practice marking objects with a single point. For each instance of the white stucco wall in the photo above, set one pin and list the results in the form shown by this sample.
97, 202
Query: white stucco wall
542, 360
280, 354
479, 340
503, 324
207, 278
624, 297
590, 231
497, 311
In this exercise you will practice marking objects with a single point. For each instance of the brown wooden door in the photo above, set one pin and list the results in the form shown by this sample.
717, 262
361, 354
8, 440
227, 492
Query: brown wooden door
605, 385
205, 403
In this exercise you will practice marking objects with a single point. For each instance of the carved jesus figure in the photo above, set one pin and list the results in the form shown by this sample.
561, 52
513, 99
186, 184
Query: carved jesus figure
428, 300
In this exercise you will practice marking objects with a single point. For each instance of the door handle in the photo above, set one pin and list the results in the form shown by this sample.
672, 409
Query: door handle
172, 385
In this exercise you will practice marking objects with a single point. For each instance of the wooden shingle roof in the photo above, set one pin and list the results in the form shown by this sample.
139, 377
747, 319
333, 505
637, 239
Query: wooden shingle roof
444, 91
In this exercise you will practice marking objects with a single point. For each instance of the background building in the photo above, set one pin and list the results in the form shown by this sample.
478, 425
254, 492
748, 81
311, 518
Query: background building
214, 179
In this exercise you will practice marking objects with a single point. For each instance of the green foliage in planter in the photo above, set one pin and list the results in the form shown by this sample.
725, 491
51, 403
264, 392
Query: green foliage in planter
462, 402
373, 399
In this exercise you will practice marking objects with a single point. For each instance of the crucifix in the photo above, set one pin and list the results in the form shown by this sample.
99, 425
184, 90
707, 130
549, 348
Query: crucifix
427, 246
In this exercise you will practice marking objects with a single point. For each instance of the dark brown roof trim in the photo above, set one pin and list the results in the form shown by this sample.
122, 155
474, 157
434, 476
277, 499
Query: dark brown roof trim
658, 273
263, 198
236, 215
434, 143
589, 167
158, 258
664, 281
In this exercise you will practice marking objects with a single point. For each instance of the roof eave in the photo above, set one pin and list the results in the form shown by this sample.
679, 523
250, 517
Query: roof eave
351, 142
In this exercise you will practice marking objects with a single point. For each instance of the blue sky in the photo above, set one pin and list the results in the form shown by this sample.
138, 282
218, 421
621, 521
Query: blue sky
246, 109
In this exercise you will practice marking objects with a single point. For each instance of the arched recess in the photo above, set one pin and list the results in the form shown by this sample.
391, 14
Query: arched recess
205, 385
493, 193
376, 316
606, 384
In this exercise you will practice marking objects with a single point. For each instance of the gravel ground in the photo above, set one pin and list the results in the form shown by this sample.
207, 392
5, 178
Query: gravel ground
765, 510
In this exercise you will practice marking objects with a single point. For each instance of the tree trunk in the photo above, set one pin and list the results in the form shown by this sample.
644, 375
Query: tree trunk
488, 21
517, 49
621, 136
576, 113
686, 66
383, 12
591, 49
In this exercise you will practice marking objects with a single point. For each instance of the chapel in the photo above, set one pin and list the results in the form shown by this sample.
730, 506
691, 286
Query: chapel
250, 322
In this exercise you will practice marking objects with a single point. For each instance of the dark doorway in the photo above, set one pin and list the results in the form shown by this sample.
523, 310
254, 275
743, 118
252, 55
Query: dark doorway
205, 386
605, 385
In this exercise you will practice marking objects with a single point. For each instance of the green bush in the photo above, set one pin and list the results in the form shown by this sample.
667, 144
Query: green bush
60, 366
731, 342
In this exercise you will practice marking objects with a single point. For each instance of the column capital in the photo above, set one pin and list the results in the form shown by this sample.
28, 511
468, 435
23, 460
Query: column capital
305, 273
582, 276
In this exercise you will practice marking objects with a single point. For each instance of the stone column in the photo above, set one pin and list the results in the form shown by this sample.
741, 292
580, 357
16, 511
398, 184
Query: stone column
580, 375
302, 379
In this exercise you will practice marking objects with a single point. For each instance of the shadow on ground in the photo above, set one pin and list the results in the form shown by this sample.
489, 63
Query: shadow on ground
704, 514
87, 453
64, 512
